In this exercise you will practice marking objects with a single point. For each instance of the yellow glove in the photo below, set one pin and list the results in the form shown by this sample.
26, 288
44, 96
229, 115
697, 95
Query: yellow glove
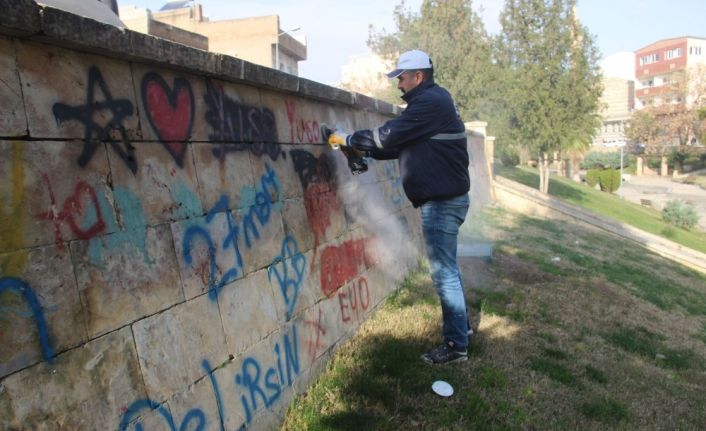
335, 138
338, 138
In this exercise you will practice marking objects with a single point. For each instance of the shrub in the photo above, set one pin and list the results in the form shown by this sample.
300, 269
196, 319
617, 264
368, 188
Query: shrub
509, 157
680, 214
602, 160
609, 179
592, 177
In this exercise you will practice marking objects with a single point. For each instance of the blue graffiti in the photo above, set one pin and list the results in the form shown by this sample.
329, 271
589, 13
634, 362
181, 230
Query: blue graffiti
273, 378
288, 268
194, 415
21, 287
262, 203
133, 231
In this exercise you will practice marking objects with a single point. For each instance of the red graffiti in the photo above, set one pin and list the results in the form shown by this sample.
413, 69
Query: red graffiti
354, 298
300, 130
321, 203
169, 111
75, 206
313, 346
341, 264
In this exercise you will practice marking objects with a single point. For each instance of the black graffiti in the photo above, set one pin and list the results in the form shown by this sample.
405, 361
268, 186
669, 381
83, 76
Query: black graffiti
96, 133
239, 127
312, 169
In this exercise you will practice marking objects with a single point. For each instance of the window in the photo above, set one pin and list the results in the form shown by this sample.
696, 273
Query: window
648, 59
695, 50
672, 53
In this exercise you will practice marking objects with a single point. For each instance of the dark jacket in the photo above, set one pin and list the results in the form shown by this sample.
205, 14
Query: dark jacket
429, 140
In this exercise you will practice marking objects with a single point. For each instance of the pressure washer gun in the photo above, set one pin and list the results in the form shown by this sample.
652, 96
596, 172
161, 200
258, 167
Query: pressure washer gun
337, 140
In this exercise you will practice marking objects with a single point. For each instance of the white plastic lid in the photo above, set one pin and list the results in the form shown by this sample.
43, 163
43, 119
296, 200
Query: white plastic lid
442, 388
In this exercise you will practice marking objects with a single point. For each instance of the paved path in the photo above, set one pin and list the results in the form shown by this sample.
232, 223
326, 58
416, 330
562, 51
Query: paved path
661, 190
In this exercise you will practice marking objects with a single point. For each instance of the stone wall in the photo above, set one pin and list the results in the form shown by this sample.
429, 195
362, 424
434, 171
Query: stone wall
177, 248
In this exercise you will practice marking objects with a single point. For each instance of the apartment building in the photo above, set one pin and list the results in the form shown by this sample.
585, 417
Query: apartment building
617, 100
258, 40
658, 67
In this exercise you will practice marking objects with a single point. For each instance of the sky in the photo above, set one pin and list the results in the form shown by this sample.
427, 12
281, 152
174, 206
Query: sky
337, 30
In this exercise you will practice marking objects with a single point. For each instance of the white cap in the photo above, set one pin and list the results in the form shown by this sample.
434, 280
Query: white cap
411, 60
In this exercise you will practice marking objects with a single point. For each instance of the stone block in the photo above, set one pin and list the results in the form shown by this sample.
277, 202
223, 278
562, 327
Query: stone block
171, 107
233, 115
229, 394
48, 200
19, 17
172, 345
164, 190
319, 327
364, 103
316, 90
84, 97
229, 67
222, 178
199, 399
260, 76
86, 388
40, 310
209, 252
265, 371
248, 312
76, 31
298, 121
13, 121
296, 223
125, 276
262, 235
287, 179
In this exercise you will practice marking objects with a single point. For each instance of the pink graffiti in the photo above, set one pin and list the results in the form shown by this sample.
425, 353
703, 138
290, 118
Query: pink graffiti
301, 130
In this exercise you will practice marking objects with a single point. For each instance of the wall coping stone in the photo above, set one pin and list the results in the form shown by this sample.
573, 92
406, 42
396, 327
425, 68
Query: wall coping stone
25, 19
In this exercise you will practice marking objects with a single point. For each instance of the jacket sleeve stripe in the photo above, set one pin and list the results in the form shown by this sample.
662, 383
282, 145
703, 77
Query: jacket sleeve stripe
376, 137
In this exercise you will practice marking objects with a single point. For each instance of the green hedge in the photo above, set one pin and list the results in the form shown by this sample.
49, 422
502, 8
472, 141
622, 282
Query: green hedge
592, 177
609, 179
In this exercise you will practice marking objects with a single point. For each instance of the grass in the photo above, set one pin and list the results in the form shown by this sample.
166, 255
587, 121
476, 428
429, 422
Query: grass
609, 205
606, 337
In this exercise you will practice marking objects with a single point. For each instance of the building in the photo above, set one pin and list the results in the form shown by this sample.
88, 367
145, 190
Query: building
658, 67
617, 100
258, 40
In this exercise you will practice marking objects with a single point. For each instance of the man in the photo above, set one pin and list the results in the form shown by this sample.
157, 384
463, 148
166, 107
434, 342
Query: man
429, 140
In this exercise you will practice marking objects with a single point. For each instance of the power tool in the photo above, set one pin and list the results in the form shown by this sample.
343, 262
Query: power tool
337, 140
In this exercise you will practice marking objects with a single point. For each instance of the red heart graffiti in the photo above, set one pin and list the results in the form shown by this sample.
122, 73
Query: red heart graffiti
169, 111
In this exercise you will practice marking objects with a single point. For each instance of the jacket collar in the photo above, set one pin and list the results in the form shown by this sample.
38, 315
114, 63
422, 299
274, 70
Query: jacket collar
407, 97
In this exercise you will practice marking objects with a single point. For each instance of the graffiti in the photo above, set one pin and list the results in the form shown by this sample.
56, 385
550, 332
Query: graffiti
273, 378
263, 201
313, 346
320, 198
397, 190
300, 130
289, 268
312, 169
257, 386
12, 220
341, 264
13, 284
132, 413
170, 112
240, 127
82, 201
96, 133
355, 298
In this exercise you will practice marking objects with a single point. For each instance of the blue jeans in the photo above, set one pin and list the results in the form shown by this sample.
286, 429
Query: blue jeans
440, 223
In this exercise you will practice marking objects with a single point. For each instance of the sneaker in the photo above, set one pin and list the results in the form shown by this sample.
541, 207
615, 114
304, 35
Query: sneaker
445, 354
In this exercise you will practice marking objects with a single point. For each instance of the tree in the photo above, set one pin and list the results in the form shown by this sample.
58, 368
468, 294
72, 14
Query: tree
677, 118
454, 36
553, 83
